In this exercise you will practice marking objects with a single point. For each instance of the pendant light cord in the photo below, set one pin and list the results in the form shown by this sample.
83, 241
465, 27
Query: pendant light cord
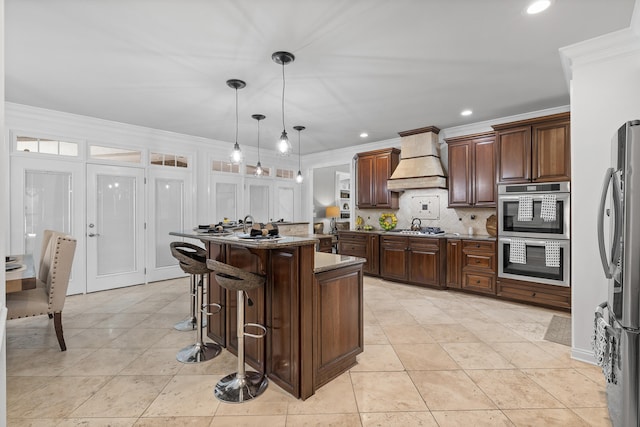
283, 83
258, 141
299, 151
236, 115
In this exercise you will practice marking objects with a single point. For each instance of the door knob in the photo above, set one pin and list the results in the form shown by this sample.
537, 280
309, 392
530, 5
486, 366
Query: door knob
93, 234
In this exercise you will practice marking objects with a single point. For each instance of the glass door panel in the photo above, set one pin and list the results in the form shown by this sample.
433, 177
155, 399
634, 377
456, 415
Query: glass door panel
47, 194
115, 227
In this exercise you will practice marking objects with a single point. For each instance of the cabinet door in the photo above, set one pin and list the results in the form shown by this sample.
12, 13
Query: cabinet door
382, 173
423, 263
484, 175
460, 175
365, 188
393, 257
373, 254
551, 149
454, 255
514, 155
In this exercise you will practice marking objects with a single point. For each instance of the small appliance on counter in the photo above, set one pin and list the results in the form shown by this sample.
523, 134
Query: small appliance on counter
617, 320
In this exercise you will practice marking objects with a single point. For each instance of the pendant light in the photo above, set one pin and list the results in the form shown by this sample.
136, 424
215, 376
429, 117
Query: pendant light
236, 154
259, 169
283, 58
299, 177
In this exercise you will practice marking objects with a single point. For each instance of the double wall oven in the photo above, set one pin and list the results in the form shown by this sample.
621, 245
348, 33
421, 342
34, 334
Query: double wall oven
534, 232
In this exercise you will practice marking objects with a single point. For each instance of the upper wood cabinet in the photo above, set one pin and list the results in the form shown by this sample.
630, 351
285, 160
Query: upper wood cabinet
373, 170
534, 150
472, 170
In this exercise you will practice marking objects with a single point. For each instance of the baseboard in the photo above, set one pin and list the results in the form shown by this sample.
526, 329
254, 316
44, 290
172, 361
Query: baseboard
583, 355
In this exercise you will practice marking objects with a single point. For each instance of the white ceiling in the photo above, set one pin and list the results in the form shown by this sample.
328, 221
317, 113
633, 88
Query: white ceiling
378, 66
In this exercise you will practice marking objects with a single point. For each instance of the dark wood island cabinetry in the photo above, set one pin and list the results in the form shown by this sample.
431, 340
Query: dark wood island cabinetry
311, 305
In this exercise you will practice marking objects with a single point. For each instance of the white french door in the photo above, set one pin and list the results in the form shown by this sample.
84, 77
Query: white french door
48, 194
170, 208
115, 227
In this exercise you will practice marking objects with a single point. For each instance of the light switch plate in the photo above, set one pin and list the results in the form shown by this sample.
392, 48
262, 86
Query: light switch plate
426, 207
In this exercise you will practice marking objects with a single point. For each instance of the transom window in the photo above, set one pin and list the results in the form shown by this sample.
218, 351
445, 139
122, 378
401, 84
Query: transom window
221, 166
46, 146
284, 173
98, 152
173, 160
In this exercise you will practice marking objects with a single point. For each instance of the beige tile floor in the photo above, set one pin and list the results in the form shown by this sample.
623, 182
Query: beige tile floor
432, 358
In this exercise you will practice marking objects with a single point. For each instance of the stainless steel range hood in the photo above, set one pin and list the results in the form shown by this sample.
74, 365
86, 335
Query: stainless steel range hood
419, 165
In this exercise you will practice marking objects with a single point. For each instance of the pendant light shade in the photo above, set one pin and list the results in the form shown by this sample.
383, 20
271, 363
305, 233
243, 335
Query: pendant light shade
283, 58
259, 169
236, 154
299, 177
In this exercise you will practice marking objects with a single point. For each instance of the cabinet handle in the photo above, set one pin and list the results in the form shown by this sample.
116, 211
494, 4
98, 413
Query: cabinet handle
533, 294
477, 245
477, 282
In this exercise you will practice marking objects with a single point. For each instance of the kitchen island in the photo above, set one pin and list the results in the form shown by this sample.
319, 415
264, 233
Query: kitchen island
311, 305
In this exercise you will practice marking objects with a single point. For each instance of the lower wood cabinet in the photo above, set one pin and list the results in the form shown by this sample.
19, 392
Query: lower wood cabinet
324, 244
363, 245
535, 293
454, 263
338, 322
479, 266
415, 260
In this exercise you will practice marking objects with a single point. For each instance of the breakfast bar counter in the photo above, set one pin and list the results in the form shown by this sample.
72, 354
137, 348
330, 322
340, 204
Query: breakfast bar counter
311, 305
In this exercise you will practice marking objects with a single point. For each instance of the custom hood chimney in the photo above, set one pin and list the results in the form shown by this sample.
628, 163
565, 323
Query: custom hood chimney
419, 165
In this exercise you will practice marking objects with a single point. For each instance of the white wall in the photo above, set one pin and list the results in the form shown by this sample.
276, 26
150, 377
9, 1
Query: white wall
604, 94
4, 219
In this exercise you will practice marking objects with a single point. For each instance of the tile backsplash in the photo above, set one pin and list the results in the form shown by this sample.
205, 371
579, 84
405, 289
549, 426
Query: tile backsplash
435, 201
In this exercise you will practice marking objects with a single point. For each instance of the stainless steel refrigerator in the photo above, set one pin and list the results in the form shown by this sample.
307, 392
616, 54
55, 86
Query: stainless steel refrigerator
617, 320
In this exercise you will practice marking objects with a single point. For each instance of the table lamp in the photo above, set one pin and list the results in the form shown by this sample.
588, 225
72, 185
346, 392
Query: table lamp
333, 212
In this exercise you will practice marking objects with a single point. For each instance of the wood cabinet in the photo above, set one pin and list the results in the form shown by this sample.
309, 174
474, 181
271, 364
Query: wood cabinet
535, 293
472, 170
415, 260
338, 322
479, 266
454, 263
363, 245
325, 243
534, 150
373, 170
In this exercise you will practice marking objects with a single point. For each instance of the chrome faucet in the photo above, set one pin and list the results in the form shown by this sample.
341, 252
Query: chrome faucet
244, 224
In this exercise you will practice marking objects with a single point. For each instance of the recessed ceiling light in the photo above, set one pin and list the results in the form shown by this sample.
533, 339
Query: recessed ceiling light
364, 135
538, 6
466, 112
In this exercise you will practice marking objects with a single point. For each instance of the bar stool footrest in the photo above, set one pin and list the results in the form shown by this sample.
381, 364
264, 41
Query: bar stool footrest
213, 304
255, 325
231, 389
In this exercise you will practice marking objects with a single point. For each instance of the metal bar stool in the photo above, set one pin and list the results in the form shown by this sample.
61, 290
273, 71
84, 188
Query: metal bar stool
240, 386
192, 260
190, 323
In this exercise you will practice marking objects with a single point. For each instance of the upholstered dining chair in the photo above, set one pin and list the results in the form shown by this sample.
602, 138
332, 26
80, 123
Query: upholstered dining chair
51, 285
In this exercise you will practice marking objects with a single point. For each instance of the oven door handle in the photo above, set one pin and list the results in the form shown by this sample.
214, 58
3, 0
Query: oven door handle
529, 242
609, 267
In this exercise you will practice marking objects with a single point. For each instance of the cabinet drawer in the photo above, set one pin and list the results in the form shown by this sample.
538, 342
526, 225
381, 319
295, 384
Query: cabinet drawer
479, 261
478, 246
353, 249
537, 293
479, 282
324, 245
352, 237
423, 243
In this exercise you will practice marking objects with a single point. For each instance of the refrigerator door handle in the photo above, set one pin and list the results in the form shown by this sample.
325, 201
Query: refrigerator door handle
609, 267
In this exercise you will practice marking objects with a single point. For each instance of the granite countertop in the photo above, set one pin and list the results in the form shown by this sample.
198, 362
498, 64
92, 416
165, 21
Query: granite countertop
236, 240
432, 236
327, 262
